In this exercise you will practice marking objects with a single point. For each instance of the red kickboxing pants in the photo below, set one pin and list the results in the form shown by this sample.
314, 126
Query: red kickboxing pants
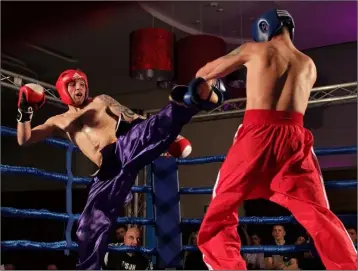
272, 158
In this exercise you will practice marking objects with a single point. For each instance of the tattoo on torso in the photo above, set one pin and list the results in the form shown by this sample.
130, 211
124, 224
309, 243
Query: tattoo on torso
127, 112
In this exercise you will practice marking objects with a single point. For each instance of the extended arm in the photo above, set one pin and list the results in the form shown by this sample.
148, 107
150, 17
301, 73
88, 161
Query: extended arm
226, 64
27, 136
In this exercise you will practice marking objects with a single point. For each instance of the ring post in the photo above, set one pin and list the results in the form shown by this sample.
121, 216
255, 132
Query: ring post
69, 199
149, 229
167, 213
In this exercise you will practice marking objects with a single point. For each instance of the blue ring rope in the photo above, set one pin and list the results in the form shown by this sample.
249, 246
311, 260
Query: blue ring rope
24, 244
264, 249
6, 169
6, 131
45, 214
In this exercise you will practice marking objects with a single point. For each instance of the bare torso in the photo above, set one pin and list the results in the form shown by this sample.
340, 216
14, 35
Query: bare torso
91, 128
279, 77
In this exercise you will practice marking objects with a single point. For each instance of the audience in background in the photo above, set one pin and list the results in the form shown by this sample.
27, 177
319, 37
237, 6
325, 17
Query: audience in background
308, 260
120, 233
129, 260
302, 239
281, 262
255, 261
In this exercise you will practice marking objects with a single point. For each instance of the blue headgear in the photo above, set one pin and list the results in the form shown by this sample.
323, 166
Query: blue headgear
271, 23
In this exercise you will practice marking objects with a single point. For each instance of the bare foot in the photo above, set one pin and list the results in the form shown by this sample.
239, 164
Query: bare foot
205, 91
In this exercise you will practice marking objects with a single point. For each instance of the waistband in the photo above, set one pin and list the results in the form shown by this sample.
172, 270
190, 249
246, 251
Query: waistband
263, 116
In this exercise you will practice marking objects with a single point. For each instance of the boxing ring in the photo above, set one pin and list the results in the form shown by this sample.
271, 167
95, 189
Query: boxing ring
162, 218
166, 242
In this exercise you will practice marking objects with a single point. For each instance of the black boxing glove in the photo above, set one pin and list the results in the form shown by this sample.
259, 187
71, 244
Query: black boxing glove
31, 98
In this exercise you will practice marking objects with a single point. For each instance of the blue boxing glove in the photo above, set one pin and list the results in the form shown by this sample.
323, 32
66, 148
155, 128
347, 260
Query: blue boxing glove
192, 98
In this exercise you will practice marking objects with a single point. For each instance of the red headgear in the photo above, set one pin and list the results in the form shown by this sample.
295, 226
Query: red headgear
62, 83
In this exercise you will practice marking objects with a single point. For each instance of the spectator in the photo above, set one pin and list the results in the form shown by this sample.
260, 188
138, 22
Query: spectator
308, 260
302, 255
284, 262
193, 260
52, 267
120, 232
255, 261
353, 234
127, 261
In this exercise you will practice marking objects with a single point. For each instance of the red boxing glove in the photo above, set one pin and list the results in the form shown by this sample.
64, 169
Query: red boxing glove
31, 98
180, 148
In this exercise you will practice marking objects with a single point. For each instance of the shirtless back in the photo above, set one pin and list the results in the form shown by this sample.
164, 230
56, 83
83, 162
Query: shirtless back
279, 76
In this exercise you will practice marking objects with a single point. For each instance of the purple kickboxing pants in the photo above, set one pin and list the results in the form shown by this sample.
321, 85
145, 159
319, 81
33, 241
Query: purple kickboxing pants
134, 149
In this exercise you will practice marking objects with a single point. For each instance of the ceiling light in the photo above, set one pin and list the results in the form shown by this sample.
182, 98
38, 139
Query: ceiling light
214, 4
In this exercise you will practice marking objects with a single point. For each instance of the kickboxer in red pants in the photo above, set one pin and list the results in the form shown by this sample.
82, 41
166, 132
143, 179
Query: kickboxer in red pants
272, 155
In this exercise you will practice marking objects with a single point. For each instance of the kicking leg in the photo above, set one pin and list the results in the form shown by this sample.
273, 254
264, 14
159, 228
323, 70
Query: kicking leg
148, 139
139, 146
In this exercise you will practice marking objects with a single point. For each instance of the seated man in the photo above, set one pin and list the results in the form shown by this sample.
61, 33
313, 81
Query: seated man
127, 261
282, 262
113, 137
